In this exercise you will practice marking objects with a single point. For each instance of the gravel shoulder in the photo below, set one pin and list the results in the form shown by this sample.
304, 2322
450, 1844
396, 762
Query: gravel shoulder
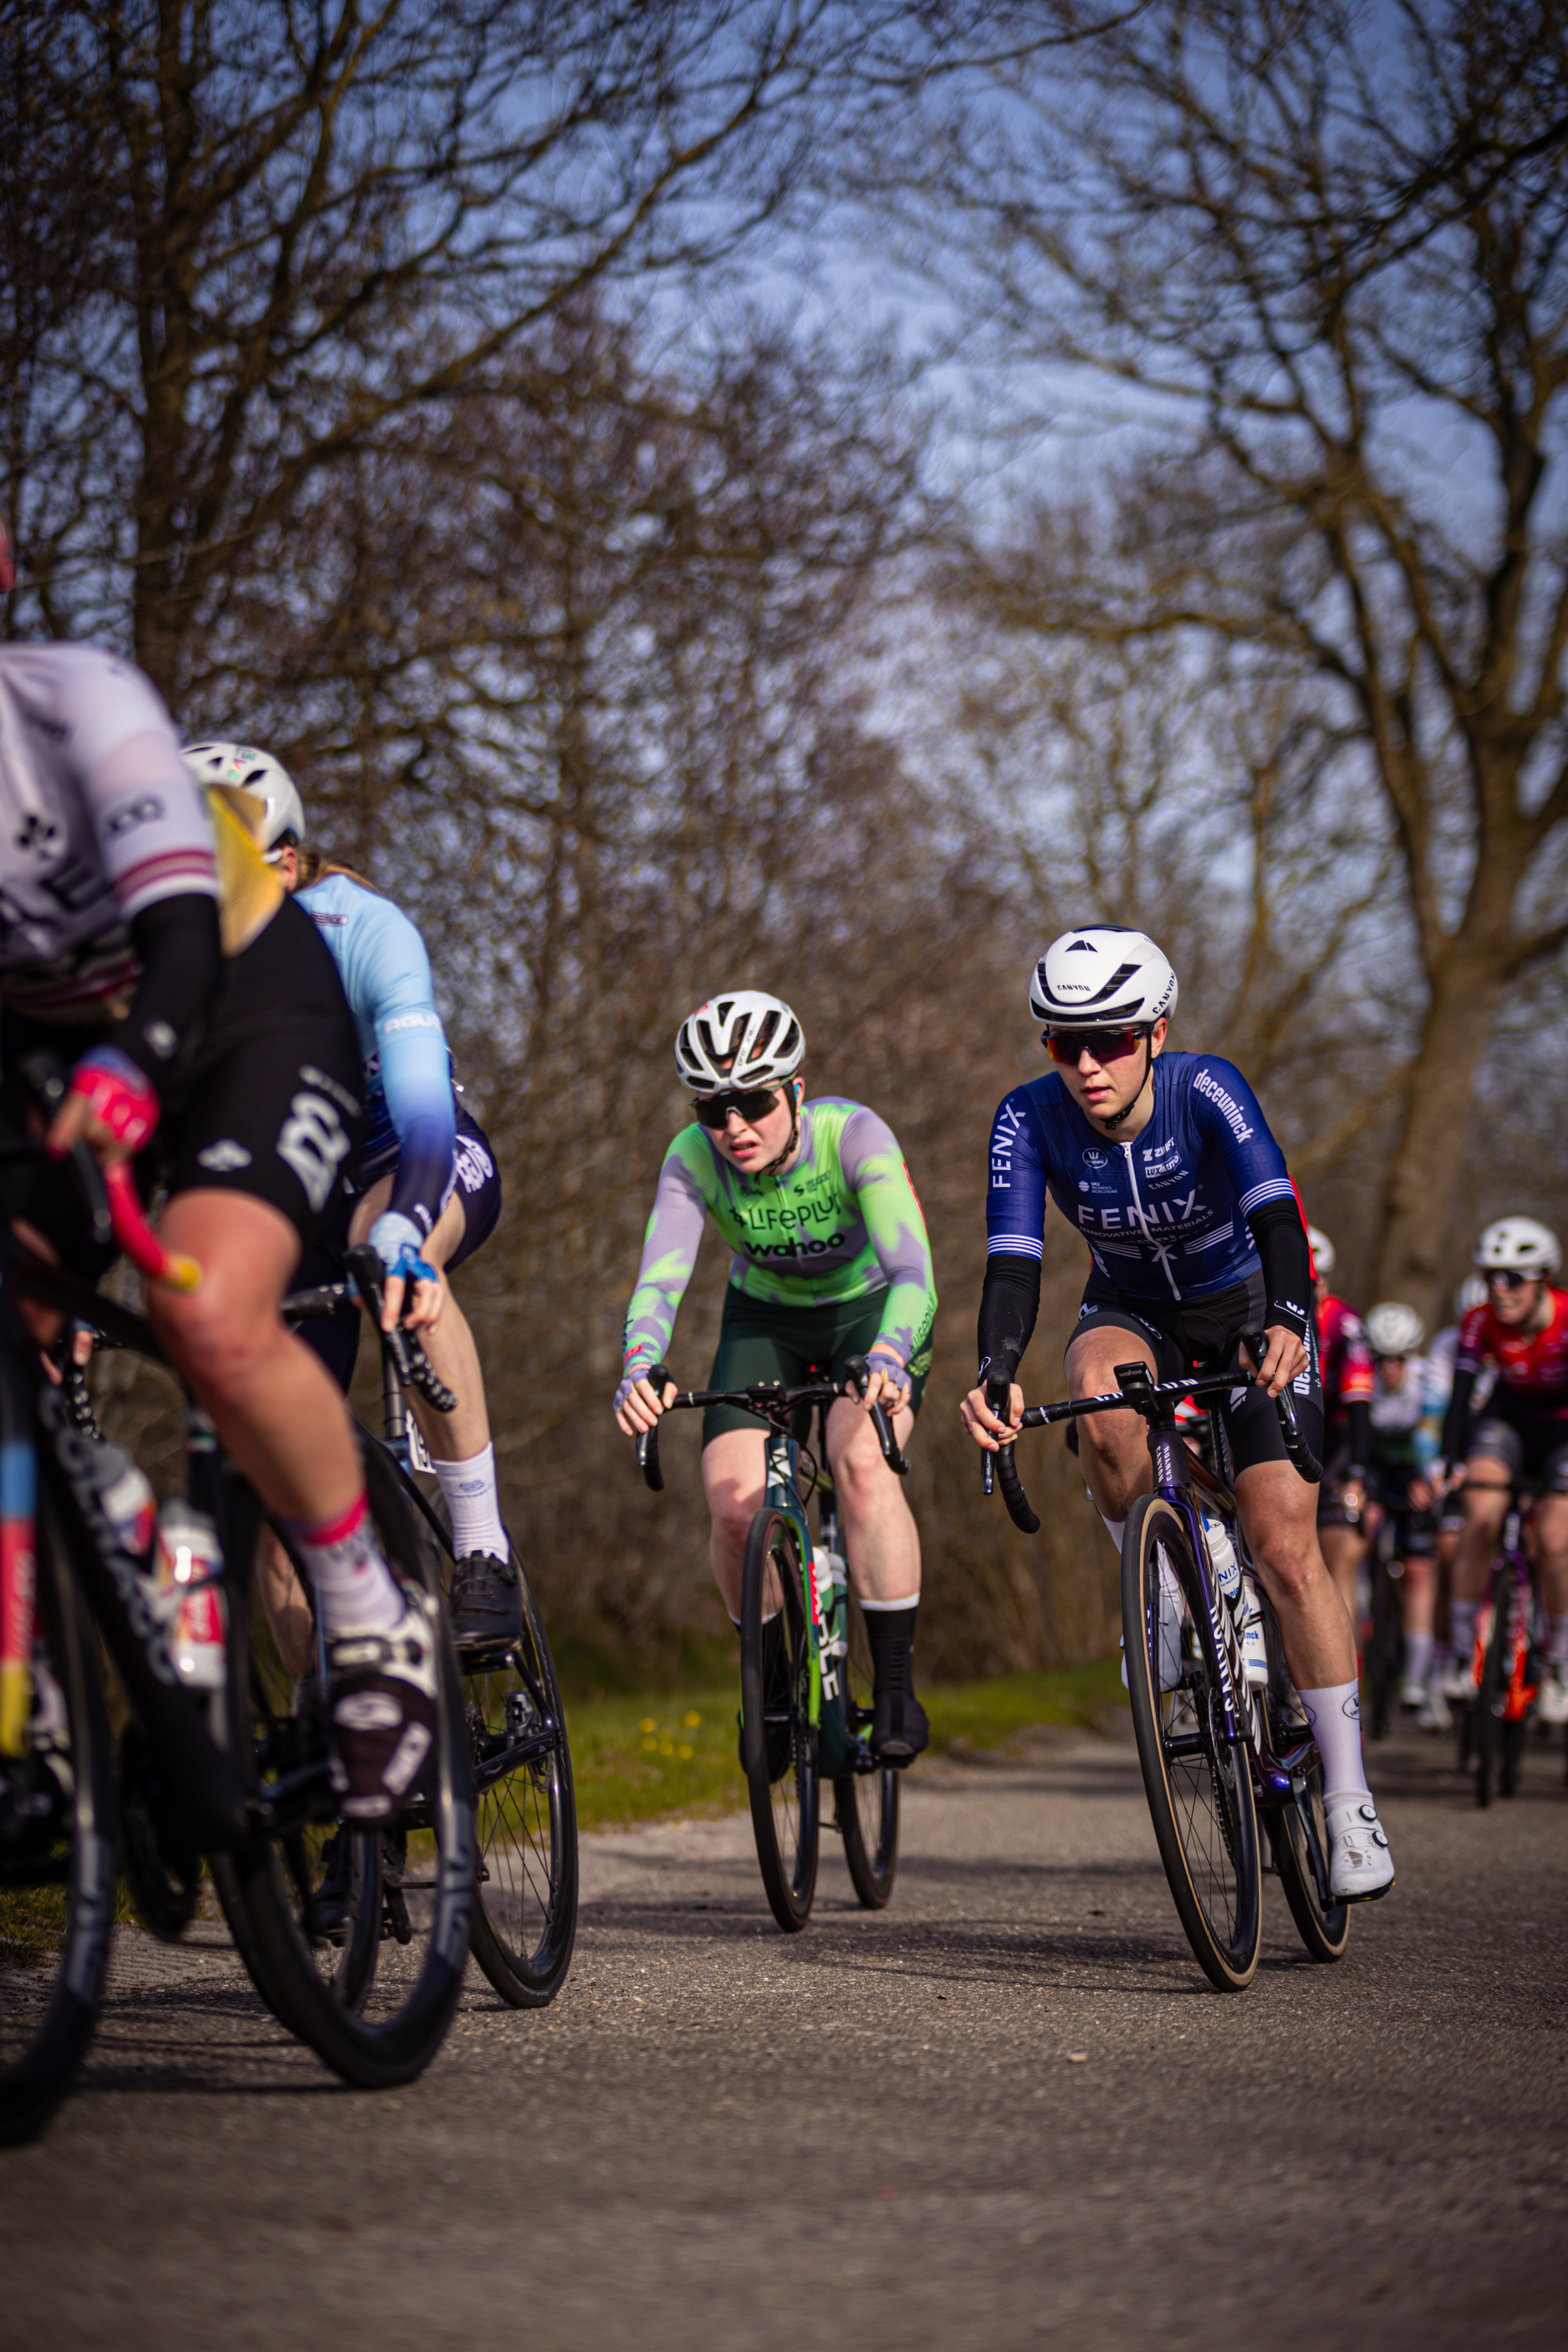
1007, 2111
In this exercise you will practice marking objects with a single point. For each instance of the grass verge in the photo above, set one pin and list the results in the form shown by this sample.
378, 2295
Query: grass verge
641, 1757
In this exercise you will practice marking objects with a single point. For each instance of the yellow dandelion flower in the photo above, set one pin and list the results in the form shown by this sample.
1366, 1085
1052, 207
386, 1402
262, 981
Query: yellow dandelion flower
686, 1753
647, 1724
650, 1747
692, 1721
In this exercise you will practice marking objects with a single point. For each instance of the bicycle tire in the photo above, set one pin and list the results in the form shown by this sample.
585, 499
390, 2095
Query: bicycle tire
1324, 1933
1384, 1641
43, 2039
1487, 1728
525, 1912
786, 1812
374, 2045
1198, 1786
865, 1804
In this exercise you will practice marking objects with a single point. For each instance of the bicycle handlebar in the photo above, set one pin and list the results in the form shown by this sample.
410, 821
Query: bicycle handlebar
109, 1191
413, 1366
770, 1398
1138, 1393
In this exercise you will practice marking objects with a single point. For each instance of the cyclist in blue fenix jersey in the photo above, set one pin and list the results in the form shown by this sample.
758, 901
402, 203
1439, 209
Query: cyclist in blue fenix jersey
423, 1191
1165, 1165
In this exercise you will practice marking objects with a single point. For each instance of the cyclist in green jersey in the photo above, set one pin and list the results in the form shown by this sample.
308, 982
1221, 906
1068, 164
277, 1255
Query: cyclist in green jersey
831, 1263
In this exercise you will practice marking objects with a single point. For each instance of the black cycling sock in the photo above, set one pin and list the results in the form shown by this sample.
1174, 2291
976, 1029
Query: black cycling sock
891, 1635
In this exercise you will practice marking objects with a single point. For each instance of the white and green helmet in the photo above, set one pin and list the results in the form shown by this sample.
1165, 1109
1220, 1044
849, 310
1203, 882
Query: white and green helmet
742, 1039
243, 769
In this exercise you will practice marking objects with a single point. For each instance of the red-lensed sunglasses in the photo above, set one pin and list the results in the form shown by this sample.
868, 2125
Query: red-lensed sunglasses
1103, 1044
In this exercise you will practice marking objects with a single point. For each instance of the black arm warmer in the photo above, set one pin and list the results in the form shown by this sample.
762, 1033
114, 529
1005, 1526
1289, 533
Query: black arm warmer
1358, 1422
1457, 1419
181, 951
1281, 1241
1009, 1306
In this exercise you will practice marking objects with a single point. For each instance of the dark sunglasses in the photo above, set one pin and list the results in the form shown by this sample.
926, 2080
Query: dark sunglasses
1511, 1276
1104, 1044
713, 1111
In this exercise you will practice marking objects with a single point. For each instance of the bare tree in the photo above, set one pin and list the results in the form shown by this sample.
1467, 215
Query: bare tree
1320, 249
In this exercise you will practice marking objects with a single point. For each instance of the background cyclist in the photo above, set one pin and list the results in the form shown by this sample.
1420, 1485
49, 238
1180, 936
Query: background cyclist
424, 1189
1164, 1164
1521, 1334
1408, 1406
830, 1262
1345, 1363
148, 944
1442, 1355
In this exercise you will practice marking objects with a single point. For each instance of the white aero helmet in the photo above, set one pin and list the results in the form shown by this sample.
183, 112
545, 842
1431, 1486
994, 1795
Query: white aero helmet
1394, 1330
1103, 976
1322, 1250
756, 1034
1470, 1294
1518, 1244
246, 769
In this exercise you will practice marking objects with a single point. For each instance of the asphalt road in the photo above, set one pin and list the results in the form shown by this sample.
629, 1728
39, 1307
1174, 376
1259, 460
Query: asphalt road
1007, 2112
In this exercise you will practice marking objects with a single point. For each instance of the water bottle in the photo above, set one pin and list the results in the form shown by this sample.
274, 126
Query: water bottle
1223, 1559
127, 1499
1254, 1648
187, 1568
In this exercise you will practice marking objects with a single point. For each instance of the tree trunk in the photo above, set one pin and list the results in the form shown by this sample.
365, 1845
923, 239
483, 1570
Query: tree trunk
1418, 1203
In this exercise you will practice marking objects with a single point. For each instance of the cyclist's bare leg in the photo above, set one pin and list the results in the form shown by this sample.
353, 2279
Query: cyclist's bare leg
882, 1543
734, 1474
449, 1342
1551, 1533
276, 1409
1114, 1447
1279, 1517
287, 1609
1485, 1498
1343, 1548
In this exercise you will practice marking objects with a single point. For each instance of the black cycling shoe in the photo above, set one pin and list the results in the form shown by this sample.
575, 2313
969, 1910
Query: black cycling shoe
899, 1727
485, 1603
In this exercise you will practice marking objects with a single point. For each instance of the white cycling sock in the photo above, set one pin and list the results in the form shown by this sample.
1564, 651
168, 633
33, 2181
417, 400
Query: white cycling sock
1417, 1657
1335, 1714
1114, 1529
353, 1585
468, 1491
1462, 1629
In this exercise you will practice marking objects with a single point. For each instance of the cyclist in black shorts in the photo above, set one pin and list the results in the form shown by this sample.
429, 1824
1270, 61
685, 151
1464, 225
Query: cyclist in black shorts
1165, 1165
146, 943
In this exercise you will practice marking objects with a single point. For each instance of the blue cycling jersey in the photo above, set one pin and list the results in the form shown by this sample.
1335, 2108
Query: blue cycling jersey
410, 1106
1164, 1215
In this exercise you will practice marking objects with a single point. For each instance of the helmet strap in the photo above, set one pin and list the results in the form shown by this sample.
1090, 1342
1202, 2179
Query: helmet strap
788, 1151
1113, 1122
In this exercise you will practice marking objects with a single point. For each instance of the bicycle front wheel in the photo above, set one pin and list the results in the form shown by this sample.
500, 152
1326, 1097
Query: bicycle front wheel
1299, 1833
410, 1882
778, 1739
1385, 1641
1198, 1783
525, 1919
865, 1804
1487, 1729
57, 1860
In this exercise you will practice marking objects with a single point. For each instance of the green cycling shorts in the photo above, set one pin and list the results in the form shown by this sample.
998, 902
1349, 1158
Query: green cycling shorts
760, 1341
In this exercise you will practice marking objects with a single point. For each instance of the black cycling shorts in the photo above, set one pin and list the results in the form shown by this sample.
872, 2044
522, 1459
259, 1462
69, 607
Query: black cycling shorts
475, 1178
269, 1105
1534, 1447
1201, 1335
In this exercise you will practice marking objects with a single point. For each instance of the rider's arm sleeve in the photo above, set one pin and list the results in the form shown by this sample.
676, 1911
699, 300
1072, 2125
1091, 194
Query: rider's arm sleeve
1457, 1419
391, 989
873, 1168
1009, 1306
1358, 1424
669, 1255
1281, 1242
181, 955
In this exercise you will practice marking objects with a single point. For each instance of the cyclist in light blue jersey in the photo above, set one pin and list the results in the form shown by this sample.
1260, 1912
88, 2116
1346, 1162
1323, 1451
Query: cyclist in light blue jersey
1165, 1165
424, 1189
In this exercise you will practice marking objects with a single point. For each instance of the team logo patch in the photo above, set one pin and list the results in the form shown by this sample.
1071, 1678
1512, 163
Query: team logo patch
313, 1143
1094, 1158
223, 1158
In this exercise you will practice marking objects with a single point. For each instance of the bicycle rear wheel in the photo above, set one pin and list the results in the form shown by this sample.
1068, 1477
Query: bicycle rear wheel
1486, 1724
409, 1882
1198, 1784
1299, 1833
865, 1804
778, 1741
525, 1918
57, 1860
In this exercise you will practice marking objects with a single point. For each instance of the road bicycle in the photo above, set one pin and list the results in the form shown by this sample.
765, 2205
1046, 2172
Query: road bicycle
805, 1661
1216, 1745
195, 1777
1492, 1727
525, 1918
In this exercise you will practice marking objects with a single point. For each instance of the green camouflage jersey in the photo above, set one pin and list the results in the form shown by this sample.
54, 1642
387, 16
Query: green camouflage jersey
841, 1222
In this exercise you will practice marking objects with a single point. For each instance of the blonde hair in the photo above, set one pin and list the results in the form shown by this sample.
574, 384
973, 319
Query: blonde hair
315, 867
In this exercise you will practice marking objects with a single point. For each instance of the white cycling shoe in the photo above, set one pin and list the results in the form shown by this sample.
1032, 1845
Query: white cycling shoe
1458, 1683
1552, 1698
1359, 1864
